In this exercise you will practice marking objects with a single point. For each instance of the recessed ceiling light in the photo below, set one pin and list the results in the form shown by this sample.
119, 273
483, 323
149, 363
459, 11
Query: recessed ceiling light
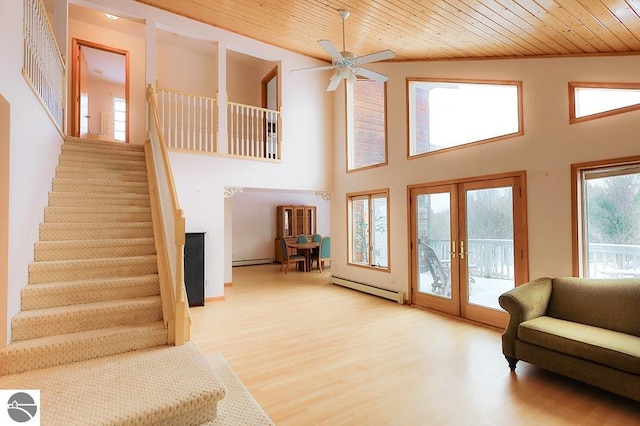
110, 16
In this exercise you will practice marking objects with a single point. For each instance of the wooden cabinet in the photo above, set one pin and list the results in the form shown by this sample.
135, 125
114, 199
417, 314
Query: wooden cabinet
296, 220
293, 221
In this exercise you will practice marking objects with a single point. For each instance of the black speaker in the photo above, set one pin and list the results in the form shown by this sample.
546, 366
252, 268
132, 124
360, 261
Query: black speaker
194, 268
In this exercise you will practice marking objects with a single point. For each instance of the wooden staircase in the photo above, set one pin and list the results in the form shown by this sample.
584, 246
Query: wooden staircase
93, 288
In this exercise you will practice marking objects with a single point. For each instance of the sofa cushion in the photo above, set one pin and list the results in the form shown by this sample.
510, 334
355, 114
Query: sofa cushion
606, 303
617, 350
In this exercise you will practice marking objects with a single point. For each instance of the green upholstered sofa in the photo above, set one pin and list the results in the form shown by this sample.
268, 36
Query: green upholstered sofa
586, 329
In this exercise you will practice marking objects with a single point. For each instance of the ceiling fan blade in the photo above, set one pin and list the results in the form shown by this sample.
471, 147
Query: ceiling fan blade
331, 50
322, 68
374, 57
335, 81
371, 75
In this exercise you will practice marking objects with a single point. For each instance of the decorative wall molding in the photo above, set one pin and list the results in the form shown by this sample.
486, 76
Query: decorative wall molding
324, 195
230, 191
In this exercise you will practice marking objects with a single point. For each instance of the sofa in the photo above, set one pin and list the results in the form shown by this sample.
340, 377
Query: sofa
586, 329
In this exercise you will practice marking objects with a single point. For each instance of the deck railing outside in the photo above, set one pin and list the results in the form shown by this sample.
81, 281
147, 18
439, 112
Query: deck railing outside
253, 131
187, 121
494, 258
43, 67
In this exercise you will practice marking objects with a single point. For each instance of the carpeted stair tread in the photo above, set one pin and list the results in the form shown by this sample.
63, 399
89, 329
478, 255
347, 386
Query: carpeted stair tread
91, 214
99, 186
72, 199
101, 164
100, 151
98, 144
164, 385
80, 269
86, 249
47, 295
67, 172
43, 322
72, 347
94, 231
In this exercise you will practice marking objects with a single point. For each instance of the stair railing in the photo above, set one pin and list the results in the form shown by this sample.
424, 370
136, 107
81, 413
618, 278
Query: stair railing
169, 229
43, 67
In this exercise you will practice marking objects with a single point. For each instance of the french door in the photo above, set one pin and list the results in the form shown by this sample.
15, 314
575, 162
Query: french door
468, 245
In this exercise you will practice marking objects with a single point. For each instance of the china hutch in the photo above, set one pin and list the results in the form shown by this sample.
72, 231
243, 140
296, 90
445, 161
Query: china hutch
293, 221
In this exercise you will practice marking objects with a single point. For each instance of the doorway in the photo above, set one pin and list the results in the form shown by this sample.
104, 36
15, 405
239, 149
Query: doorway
468, 245
269, 89
99, 92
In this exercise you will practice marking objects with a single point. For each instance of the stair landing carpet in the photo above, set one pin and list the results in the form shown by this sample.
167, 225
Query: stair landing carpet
238, 408
160, 386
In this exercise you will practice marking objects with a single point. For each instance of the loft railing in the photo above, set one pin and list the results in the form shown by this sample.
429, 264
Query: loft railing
169, 229
253, 131
187, 121
43, 67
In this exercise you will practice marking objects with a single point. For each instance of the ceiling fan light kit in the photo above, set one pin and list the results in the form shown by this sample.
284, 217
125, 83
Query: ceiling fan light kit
347, 64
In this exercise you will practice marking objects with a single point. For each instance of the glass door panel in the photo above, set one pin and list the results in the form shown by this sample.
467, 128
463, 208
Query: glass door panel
489, 245
433, 240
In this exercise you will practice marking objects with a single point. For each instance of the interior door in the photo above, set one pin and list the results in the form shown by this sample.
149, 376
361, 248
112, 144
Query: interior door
468, 246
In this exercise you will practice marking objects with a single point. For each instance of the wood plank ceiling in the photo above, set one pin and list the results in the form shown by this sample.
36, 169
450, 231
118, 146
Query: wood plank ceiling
429, 29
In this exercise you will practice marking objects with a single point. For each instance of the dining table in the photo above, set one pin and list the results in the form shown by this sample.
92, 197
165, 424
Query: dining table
305, 249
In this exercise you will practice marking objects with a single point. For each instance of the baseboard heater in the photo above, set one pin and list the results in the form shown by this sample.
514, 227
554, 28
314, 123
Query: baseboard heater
248, 262
395, 295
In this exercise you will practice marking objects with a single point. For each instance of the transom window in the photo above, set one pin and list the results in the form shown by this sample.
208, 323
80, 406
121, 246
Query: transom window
588, 101
369, 229
366, 124
449, 113
606, 219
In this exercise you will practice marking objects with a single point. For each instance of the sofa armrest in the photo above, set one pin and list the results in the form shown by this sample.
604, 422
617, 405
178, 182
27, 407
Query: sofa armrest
523, 303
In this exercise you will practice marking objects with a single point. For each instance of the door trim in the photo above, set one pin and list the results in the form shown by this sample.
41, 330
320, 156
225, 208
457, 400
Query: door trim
76, 44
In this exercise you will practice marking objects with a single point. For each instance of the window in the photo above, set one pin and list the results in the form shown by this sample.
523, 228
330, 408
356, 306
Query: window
588, 101
366, 124
606, 220
369, 229
449, 113
119, 119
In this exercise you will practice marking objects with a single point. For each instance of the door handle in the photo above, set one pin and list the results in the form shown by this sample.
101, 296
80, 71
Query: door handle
462, 253
453, 249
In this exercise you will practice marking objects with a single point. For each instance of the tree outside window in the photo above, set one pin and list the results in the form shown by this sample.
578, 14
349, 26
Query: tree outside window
607, 219
369, 236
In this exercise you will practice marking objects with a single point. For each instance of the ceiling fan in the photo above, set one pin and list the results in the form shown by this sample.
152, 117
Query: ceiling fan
347, 64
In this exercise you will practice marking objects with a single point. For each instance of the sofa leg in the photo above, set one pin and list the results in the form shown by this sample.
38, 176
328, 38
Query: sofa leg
512, 362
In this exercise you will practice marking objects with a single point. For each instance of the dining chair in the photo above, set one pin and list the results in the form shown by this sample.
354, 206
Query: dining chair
324, 253
315, 238
288, 258
302, 239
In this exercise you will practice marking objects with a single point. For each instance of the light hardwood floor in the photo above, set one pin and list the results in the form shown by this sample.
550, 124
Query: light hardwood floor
312, 353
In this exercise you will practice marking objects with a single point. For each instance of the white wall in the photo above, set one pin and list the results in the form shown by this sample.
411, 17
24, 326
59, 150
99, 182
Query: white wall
546, 151
254, 220
34, 150
186, 70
